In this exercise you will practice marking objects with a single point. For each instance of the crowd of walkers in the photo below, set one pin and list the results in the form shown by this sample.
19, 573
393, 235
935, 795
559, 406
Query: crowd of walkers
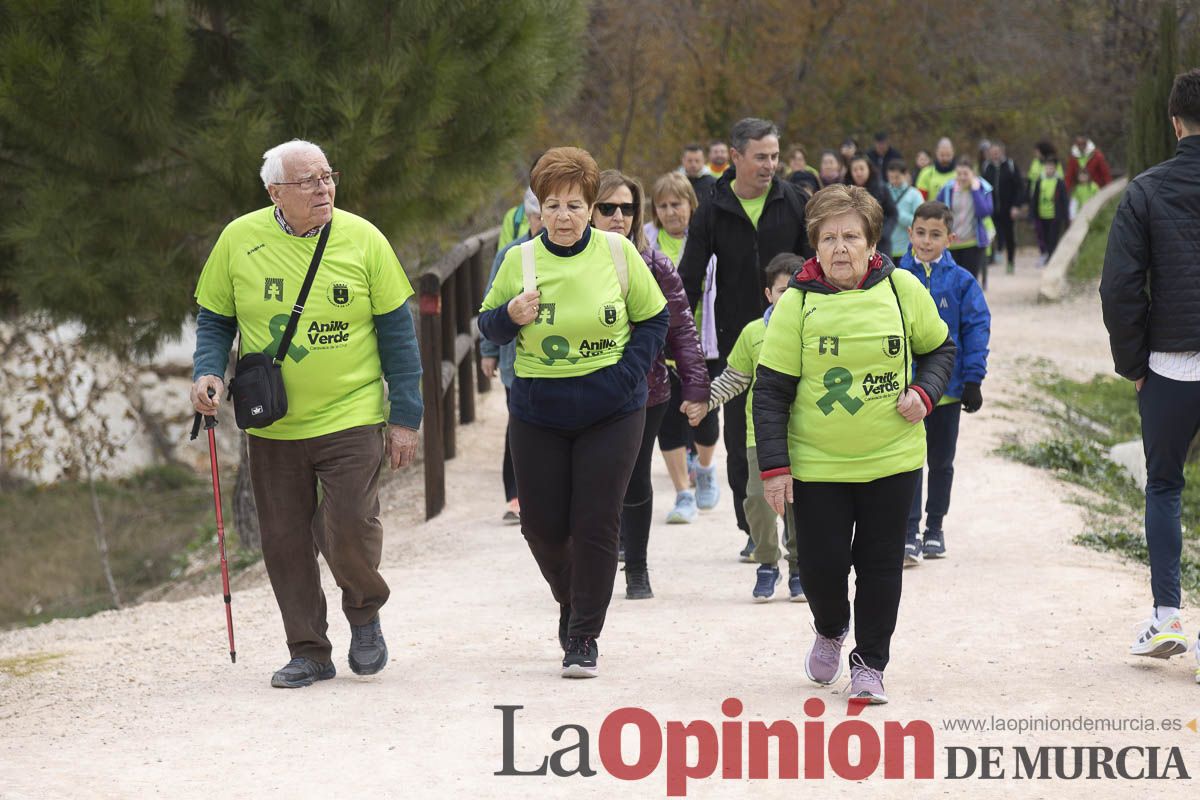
822, 311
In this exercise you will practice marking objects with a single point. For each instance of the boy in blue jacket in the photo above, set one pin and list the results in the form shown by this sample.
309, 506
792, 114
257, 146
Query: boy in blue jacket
959, 300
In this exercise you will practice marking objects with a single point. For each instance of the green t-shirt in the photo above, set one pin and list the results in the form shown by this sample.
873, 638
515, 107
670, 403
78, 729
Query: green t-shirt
844, 426
671, 247
506, 227
1046, 190
753, 208
744, 358
930, 181
332, 371
583, 322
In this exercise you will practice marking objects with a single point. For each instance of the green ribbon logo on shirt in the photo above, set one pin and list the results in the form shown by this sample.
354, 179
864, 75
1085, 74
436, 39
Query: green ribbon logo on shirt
556, 348
838, 381
277, 325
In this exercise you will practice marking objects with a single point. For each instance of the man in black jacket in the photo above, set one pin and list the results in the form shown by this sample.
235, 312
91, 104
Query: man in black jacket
1154, 252
751, 217
1008, 195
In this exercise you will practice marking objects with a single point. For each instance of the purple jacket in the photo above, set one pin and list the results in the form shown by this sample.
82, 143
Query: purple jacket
682, 341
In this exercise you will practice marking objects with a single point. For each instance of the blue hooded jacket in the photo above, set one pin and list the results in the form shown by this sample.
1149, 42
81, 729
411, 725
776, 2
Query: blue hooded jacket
963, 308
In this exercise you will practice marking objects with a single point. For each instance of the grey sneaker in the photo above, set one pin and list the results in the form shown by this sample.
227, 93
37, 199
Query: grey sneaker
866, 684
824, 661
301, 672
368, 650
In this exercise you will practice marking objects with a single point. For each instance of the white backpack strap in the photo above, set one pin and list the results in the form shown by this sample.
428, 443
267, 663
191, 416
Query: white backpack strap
528, 270
618, 256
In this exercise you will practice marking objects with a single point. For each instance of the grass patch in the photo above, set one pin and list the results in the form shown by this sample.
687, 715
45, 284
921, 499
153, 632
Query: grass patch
1090, 261
23, 666
158, 519
1087, 418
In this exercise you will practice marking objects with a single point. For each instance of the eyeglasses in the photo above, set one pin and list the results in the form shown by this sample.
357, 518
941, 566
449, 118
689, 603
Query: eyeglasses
308, 184
608, 209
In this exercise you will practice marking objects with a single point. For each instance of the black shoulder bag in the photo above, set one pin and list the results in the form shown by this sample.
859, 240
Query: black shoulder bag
259, 398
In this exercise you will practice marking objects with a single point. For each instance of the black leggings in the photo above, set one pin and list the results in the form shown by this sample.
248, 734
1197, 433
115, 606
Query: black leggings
510, 477
860, 525
638, 509
570, 485
675, 432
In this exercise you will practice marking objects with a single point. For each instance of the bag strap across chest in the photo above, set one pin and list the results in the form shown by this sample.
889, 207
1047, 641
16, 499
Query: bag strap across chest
615, 249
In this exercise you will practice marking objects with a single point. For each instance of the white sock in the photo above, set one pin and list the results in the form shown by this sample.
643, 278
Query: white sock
1162, 613
708, 469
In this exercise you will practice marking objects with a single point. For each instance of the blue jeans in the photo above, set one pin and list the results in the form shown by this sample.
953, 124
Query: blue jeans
1170, 413
941, 438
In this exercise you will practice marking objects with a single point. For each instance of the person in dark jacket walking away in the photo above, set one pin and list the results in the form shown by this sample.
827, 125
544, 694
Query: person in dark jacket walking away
961, 305
696, 171
577, 407
619, 209
835, 423
1049, 205
1008, 196
751, 217
1154, 251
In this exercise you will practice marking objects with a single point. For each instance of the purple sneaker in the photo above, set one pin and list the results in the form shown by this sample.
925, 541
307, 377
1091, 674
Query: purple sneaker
824, 661
866, 684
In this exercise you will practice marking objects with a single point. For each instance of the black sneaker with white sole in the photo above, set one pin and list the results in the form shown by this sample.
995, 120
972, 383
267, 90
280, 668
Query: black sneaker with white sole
301, 672
933, 545
580, 661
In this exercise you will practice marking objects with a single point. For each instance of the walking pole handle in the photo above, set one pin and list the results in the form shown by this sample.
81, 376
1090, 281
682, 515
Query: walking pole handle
209, 422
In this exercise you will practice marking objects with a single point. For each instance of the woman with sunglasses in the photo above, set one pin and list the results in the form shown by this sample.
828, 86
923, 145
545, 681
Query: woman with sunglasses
619, 210
577, 403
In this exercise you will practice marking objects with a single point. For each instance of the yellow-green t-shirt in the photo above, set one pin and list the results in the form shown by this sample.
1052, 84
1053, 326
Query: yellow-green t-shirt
1046, 190
753, 208
331, 372
671, 247
744, 358
850, 353
583, 322
506, 227
931, 181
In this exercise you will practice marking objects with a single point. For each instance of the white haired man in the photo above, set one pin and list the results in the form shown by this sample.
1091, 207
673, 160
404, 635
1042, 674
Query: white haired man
355, 328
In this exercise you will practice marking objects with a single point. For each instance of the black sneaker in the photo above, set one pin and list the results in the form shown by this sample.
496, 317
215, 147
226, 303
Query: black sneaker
933, 544
301, 672
580, 661
564, 621
368, 650
637, 584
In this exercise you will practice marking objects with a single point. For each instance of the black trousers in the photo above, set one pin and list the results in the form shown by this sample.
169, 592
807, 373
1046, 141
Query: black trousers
637, 511
1006, 237
735, 456
859, 525
676, 431
570, 484
941, 438
510, 477
970, 258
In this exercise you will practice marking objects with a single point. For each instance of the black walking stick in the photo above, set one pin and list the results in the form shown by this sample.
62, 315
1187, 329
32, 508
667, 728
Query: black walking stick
210, 424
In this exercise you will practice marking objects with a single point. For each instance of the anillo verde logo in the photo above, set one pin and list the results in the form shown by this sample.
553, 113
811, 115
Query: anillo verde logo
838, 382
276, 326
556, 348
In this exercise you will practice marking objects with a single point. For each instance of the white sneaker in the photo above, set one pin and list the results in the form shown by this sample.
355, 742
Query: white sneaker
1159, 639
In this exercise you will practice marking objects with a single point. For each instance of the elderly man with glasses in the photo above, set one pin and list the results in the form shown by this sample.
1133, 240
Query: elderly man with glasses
316, 470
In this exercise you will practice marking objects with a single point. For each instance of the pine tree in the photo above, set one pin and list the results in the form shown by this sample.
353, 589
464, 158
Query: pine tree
131, 131
1152, 139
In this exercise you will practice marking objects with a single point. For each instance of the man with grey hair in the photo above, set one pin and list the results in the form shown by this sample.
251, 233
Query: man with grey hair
354, 329
750, 217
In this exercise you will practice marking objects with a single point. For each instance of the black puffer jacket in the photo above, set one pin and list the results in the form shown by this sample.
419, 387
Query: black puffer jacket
774, 391
1150, 291
720, 227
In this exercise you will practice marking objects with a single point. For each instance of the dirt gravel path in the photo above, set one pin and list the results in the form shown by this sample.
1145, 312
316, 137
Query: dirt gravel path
1017, 623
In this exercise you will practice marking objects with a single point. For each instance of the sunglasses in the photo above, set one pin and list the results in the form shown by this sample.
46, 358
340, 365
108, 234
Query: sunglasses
608, 209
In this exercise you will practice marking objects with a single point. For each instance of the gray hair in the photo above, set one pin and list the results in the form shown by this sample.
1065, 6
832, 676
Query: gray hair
945, 140
751, 128
272, 168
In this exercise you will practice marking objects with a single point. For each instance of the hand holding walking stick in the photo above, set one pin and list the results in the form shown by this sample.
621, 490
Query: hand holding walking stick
210, 424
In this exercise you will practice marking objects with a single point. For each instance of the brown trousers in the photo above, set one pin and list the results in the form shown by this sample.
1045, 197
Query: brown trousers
342, 525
